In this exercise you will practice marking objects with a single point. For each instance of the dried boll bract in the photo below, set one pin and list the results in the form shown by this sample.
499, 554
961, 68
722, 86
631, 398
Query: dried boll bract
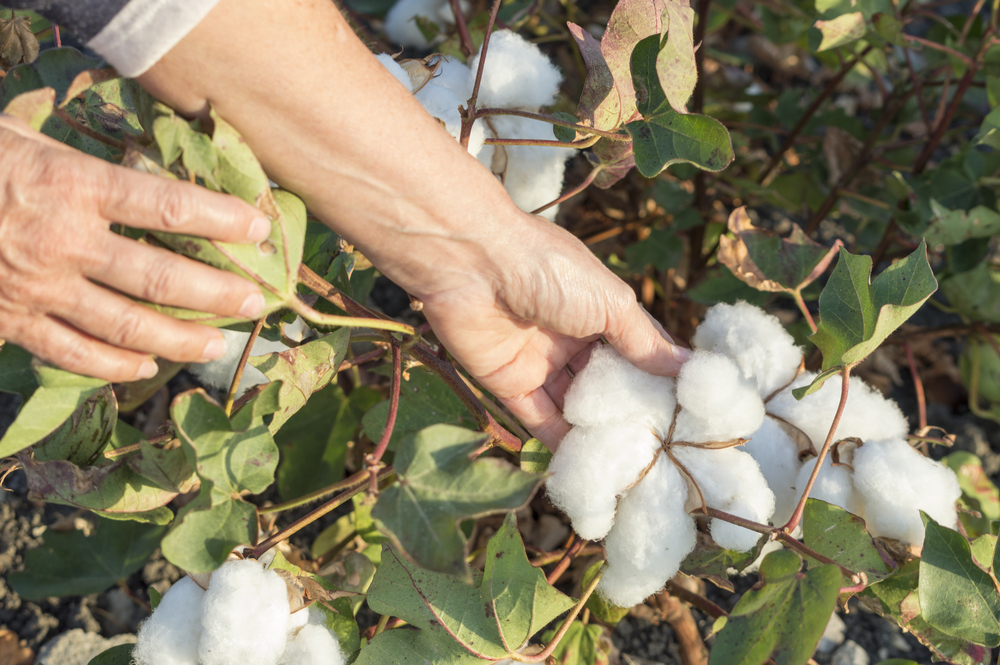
394, 68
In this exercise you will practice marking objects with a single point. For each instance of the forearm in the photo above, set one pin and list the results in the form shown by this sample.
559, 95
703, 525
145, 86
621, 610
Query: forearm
333, 126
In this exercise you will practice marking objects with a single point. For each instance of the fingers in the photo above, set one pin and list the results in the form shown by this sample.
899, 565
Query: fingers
160, 276
540, 416
57, 343
126, 324
149, 202
635, 335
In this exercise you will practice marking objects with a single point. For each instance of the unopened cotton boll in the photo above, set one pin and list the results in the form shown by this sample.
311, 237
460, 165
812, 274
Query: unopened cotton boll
219, 373
517, 75
651, 537
755, 340
730, 481
401, 21
592, 466
718, 402
245, 616
610, 389
778, 458
867, 414
396, 70
170, 636
442, 103
834, 484
897, 482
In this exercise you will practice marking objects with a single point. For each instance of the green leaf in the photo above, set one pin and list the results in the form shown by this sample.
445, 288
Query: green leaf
564, 134
154, 598
889, 28
713, 563
55, 68
956, 596
535, 457
117, 655
661, 249
675, 63
35, 108
989, 131
600, 101
844, 29
978, 491
784, 619
74, 564
407, 646
950, 227
167, 467
857, 314
207, 529
424, 400
598, 605
58, 396
16, 375
438, 487
302, 371
581, 645
81, 439
975, 293
841, 536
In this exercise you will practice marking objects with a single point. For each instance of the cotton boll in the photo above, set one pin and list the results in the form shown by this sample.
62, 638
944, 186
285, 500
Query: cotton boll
719, 403
534, 174
833, 485
313, 644
394, 68
297, 620
517, 74
245, 616
592, 466
897, 482
442, 103
170, 636
457, 77
778, 458
401, 24
219, 373
730, 481
651, 537
867, 415
610, 390
755, 340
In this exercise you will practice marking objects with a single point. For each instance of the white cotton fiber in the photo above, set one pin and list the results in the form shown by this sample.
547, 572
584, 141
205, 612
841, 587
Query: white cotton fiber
867, 415
730, 481
401, 24
651, 537
443, 104
455, 76
610, 390
778, 458
534, 174
592, 466
719, 403
219, 373
834, 485
755, 340
170, 636
246, 616
396, 70
517, 75
314, 643
897, 482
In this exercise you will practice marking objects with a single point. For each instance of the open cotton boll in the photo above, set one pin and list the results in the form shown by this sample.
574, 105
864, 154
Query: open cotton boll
401, 23
867, 415
397, 72
610, 390
592, 466
897, 482
314, 643
778, 458
442, 103
456, 76
219, 373
245, 616
534, 174
651, 537
170, 636
834, 485
719, 403
517, 75
755, 340
730, 481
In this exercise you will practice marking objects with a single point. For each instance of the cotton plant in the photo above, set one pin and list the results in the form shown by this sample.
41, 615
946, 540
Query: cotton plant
243, 616
401, 21
645, 452
517, 76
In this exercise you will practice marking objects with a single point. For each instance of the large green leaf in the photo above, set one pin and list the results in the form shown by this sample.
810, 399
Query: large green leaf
16, 375
439, 486
117, 655
956, 596
82, 438
207, 529
856, 313
581, 645
713, 563
302, 371
782, 620
408, 646
975, 293
58, 396
841, 30
841, 536
74, 564
55, 68
950, 227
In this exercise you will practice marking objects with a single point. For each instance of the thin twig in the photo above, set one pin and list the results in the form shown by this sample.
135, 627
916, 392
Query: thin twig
702, 603
940, 47
470, 111
234, 385
918, 385
571, 192
614, 136
468, 48
374, 460
314, 496
567, 559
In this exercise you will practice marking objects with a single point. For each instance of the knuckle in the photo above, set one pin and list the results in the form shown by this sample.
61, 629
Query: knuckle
128, 329
160, 281
74, 356
176, 207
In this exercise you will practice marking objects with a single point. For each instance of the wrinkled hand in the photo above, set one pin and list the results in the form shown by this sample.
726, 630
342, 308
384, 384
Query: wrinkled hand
517, 327
61, 267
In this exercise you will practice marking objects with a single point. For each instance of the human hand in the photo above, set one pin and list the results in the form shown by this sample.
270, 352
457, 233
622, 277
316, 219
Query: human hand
62, 268
517, 327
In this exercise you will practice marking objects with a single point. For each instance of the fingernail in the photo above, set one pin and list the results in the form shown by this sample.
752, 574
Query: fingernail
681, 354
252, 307
260, 229
215, 348
147, 370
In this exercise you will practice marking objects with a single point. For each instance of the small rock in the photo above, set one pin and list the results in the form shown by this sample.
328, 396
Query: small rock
77, 647
899, 643
833, 636
850, 653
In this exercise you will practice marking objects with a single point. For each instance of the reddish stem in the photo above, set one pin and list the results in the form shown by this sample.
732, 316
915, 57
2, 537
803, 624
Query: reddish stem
56, 35
468, 48
918, 385
797, 294
241, 365
566, 560
470, 112
572, 192
940, 47
702, 603
372, 461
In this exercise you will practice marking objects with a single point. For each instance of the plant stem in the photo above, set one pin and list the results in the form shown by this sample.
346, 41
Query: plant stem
384, 620
797, 294
572, 192
125, 450
373, 460
87, 131
584, 143
56, 35
374, 354
614, 136
567, 559
940, 47
496, 410
468, 48
845, 375
702, 603
311, 315
470, 112
313, 496
918, 385
234, 385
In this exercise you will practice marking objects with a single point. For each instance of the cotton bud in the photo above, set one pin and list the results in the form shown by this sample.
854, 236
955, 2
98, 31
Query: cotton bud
396, 70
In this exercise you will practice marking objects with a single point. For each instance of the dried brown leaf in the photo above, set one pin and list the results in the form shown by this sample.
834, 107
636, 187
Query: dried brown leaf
17, 43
